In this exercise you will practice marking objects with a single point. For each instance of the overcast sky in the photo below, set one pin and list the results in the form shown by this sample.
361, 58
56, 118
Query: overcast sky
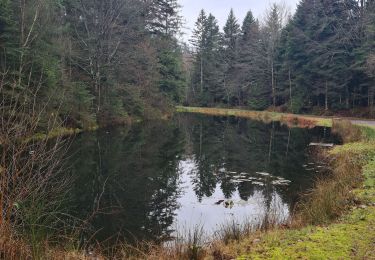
220, 9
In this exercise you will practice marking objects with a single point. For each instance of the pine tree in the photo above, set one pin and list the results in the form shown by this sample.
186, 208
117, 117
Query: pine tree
172, 77
230, 55
316, 51
230, 38
164, 17
214, 88
199, 42
247, 28
207, 79
249, 60
272, 34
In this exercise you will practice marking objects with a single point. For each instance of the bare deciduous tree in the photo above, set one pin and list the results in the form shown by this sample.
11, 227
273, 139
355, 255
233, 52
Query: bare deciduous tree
276, 17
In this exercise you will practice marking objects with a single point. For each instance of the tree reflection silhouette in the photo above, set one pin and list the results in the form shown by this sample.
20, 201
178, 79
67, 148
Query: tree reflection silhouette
128, 180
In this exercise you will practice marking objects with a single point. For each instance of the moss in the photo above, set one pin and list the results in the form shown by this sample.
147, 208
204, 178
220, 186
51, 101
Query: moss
57, 132
352, 238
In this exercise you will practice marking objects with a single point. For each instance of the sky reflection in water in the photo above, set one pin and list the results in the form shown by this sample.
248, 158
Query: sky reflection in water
153, 179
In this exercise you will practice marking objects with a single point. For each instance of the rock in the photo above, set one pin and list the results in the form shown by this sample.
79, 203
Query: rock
256, 241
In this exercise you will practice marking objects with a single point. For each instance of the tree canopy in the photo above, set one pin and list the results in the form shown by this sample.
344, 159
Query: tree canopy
319, 59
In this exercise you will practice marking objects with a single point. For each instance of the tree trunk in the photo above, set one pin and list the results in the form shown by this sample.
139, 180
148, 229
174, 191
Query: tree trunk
371, 100
347, 97
201, 73
200, 140
288, 144
290, 91
271, 142
326, 97
273, 85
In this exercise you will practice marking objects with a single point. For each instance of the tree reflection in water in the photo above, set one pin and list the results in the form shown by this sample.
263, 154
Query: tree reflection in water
144, 182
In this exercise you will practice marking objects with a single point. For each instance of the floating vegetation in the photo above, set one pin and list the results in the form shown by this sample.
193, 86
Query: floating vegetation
281, 182
259, 178
263, 173
258, 183
312, 167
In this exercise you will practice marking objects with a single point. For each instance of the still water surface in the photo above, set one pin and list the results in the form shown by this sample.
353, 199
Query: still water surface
156, 179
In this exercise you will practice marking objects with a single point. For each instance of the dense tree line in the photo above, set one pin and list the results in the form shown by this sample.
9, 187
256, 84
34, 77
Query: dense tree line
91, 61
322, 58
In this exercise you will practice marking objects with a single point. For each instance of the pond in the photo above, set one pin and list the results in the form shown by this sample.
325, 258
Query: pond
155, 180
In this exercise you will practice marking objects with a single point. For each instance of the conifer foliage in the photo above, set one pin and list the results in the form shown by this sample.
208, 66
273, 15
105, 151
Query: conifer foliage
92, 61
320, 59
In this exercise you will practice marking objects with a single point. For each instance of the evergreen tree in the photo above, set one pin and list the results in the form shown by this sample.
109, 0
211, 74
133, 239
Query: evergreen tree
365, 55
246, 73
271, 38
164, 21
199, 41
164, 17
230, 52
316, 52
214, 91
207, 78
172, 76
230, 38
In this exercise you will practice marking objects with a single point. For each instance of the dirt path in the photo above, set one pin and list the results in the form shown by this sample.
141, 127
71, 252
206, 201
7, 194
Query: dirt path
322, 120
363, 122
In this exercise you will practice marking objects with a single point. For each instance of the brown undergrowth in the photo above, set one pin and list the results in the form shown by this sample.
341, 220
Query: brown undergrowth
347, 131
301, 122
12, 248
331, 194
330, 197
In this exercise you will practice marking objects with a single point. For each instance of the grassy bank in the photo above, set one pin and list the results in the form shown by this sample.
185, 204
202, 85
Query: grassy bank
350, 236
292, 120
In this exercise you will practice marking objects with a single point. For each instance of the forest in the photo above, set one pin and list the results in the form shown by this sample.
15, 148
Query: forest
320, 60
90, 62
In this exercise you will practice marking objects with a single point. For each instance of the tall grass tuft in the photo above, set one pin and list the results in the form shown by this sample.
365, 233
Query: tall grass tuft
347, 131
331, 195
232, 231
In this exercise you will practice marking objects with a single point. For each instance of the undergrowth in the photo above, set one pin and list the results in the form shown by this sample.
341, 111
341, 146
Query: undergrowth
336, 219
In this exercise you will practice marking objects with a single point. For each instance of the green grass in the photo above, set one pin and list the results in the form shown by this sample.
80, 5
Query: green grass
352, 237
